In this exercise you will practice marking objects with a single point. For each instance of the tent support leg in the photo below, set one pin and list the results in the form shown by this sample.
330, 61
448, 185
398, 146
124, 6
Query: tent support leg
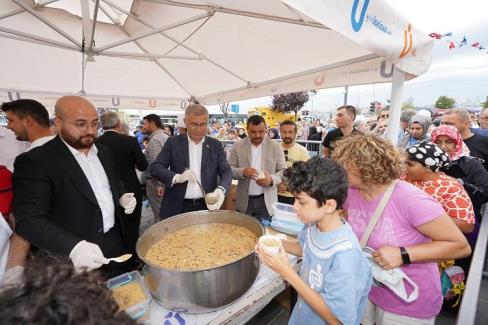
395, 105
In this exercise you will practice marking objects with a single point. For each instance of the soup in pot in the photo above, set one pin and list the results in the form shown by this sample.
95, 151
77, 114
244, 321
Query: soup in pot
202, 246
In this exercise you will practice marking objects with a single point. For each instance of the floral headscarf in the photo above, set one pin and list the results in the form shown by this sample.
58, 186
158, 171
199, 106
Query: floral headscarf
429, 155
452, 133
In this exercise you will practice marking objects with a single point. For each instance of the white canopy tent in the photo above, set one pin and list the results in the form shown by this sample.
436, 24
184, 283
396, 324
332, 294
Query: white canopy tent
160, 54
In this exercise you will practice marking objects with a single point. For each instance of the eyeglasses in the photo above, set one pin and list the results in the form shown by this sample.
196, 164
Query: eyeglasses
286, 154
84, 125
195, 126
385, 116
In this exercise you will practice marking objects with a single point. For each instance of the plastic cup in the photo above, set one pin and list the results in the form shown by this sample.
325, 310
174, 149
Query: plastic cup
270, 244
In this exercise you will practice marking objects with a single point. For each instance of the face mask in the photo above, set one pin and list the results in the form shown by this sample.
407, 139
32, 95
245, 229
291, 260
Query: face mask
394, 279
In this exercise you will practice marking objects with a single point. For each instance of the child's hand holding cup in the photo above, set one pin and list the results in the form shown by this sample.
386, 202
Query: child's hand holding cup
271, 244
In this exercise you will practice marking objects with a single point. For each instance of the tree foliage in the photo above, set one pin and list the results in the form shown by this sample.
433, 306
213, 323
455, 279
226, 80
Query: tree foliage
445, 102
291, 102
225, 109
485, 104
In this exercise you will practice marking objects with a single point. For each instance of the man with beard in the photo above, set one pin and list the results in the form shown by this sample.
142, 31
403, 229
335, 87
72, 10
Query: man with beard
293, 152
67, 193
29, 120
257, 163
153, 127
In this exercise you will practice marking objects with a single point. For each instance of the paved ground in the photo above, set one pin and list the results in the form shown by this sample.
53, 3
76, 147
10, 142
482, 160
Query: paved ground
275, 314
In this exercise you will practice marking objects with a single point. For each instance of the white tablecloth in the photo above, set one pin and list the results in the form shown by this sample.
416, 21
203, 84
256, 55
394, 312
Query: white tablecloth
267, 285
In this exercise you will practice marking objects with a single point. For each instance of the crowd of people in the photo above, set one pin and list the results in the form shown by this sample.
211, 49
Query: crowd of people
369, 206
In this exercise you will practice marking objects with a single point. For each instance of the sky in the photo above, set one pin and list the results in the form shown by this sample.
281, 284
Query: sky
461, 73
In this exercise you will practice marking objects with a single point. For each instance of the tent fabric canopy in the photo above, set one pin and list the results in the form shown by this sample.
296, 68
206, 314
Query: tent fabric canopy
219, 51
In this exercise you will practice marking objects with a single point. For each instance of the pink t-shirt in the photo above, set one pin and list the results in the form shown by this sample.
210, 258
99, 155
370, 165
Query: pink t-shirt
408, 208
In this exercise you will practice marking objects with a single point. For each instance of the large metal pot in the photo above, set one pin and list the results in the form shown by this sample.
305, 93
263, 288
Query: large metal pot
203, 290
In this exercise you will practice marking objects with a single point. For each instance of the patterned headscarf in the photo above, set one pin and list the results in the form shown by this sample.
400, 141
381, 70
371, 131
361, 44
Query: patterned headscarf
452, 133
429, 155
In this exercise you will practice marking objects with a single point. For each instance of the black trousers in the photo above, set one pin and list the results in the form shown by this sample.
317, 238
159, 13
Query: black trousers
114, 246
132, 224
190, 205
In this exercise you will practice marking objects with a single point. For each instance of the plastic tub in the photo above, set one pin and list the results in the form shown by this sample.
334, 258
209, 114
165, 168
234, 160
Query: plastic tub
285, 212
140, 310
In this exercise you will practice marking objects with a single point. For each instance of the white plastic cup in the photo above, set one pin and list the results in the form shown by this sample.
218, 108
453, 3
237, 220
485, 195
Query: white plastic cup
270, 244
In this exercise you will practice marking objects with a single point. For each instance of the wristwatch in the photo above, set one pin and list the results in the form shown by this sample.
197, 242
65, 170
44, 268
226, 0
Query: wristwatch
405, 256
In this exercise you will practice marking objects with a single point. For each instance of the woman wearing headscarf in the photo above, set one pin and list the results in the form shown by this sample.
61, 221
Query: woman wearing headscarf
418, 128
422, 170
469, 171
412, 233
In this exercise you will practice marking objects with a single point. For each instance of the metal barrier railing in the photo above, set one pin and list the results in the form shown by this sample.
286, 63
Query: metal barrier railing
314, 147
469, 303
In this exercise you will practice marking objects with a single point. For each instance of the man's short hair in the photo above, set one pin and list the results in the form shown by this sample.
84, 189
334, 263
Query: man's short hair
255, 120
461, 112
196, 109
321, 178
350, 109
155, 119
109, 120
289, 122
28, 107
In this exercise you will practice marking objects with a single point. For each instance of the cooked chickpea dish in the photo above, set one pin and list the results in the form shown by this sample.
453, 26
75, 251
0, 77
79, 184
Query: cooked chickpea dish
202, 246
128, 295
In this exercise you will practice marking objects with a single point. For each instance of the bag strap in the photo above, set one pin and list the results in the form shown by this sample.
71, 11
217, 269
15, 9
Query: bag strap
377, 213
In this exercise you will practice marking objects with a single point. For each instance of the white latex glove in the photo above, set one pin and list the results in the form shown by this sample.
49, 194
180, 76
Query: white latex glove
186, 176
128, 202
87, 256
216, 196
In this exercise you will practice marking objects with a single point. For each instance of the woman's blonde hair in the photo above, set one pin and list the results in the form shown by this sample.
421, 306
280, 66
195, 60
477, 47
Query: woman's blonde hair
375, 160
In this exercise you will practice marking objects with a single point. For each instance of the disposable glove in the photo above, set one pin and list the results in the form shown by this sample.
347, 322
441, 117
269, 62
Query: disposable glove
186, 176
87, 256
128, 202
215, 199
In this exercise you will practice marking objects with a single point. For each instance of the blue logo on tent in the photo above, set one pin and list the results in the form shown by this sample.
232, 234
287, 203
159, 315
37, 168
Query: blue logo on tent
357, 24
234, 108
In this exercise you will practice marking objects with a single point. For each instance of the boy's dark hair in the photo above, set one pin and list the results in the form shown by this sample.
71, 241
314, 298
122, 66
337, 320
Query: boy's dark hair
255, 120
154, 118
53, 293
28, 107
321, 178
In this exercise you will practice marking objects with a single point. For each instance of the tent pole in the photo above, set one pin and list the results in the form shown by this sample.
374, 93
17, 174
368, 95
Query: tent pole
19, 11
152, 32
47, 22
395, 105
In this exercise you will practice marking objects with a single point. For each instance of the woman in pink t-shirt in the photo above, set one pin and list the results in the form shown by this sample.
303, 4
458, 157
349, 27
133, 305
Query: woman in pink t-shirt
413, 232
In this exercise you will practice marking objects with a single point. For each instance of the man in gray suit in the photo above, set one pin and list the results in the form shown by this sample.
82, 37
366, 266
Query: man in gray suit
191, 165
257, 163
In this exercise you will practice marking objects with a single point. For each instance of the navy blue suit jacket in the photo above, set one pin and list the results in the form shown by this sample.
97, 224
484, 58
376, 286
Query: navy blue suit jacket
174, 159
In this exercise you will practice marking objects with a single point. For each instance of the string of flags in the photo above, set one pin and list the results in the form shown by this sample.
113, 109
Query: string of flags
453, 44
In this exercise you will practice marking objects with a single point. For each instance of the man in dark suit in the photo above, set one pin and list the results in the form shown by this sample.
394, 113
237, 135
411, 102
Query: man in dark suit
195, 161
127, 156
67, 193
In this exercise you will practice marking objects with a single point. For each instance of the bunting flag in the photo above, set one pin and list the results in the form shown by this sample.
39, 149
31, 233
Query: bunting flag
435, 35
452, 44
463, 42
